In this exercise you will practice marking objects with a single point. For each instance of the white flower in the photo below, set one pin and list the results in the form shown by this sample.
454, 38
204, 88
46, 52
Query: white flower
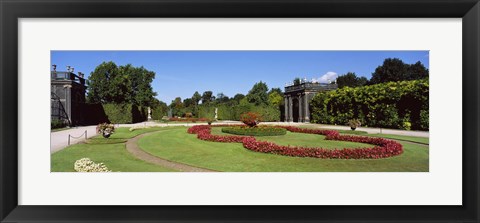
87, 165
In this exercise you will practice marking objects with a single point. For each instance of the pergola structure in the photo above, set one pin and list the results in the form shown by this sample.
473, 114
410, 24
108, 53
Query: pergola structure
297, 98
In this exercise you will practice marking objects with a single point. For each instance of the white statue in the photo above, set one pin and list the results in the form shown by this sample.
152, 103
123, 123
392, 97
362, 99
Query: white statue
149, 114
216, 113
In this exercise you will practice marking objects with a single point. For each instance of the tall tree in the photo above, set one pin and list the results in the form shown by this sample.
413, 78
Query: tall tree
417, 71
139, 80
392, 69
222, 98
196, 97
207, 97
238, 97
107, 85
258, 94
351, 80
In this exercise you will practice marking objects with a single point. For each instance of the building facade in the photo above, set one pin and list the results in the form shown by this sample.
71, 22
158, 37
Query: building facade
67, 96
297, 99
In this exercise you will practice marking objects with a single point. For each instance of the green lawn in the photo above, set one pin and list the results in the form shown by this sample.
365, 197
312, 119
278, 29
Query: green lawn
423, 140
114, 156
179, 146
405, 138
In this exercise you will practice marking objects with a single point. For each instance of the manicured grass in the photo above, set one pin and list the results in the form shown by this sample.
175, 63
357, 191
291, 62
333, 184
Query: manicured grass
104, 141
114, 156
179, 146
423, 140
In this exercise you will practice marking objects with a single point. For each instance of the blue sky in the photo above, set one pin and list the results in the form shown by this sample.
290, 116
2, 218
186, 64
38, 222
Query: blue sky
181, 73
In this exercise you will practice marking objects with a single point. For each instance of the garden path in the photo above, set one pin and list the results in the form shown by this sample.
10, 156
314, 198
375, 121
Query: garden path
59, 140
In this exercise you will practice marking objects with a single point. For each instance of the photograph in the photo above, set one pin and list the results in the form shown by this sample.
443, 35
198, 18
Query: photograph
239, 111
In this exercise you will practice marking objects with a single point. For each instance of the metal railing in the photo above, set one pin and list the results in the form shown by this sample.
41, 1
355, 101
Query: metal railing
70, 136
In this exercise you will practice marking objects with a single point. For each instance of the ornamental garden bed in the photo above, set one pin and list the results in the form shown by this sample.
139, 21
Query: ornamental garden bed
255, 131
381, 148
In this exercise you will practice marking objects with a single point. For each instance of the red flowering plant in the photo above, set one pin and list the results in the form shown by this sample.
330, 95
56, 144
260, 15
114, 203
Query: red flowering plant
251, 119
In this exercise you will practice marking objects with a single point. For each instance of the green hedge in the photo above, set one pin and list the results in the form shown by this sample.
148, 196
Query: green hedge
125, 113
268, 113
255, 131
401, 105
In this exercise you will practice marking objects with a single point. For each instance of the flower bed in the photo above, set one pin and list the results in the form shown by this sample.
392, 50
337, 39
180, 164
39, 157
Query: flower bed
383, 147
255, 131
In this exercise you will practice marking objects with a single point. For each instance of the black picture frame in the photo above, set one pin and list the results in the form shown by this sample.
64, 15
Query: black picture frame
11, 11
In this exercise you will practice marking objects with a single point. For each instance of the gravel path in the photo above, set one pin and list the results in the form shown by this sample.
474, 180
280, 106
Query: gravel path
133, 148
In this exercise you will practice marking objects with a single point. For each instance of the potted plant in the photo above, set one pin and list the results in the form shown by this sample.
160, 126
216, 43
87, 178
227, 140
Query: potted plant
105, 129
354, 123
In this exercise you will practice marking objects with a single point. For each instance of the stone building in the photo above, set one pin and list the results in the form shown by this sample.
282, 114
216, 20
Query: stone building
297, 99
67, 96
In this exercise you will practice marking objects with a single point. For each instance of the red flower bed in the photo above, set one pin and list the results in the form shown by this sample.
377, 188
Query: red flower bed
384, 148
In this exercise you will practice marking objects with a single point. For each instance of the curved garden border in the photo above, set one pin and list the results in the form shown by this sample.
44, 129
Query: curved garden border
383, 147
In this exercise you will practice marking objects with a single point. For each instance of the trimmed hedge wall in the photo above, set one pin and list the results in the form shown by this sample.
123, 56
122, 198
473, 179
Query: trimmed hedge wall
114, 113
399, 105
225, 112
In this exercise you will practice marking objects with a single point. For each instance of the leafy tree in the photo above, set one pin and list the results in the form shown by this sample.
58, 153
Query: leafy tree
207, 97
139, 80
351, 80
188, 102
417, 71
278, 90
393, 69
258, 94
222, 98
275, 99
109, 83
177, 106
196, 98
396, 70
238, 97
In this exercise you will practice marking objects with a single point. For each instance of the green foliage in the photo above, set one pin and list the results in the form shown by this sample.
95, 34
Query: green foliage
125, 113
387, 105
275, 99
57, 123
351, 80
159, 109
424, 119
257, 131
258, 94
207, 97
394, 69
109, 83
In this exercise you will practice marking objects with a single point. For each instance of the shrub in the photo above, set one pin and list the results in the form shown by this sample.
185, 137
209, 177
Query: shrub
380, 105
57, 123
257, 131
424, 119
251, 119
